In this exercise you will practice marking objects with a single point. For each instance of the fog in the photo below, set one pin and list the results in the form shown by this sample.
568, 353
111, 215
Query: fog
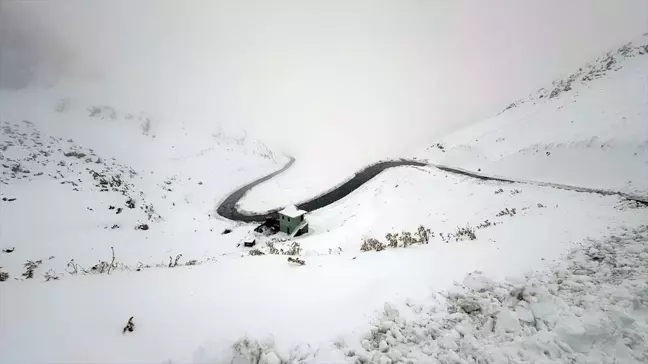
354, 80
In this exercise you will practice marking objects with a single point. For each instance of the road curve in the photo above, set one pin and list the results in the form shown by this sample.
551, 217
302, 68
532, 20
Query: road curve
228, 209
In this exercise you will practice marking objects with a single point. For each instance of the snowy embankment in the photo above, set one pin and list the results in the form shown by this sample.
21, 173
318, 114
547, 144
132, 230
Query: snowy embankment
187, 313
590, 307
589, 129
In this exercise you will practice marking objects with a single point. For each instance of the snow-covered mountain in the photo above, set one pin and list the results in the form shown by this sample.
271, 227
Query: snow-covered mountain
107, 220
76, 171
588, 129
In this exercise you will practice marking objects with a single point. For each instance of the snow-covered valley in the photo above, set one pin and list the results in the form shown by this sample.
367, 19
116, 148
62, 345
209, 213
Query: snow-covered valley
480, 271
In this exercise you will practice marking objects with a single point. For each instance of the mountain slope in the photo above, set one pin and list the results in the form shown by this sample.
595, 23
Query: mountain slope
76, 180
589, 129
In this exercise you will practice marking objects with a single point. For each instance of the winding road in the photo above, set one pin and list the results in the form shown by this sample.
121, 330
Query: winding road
228, 209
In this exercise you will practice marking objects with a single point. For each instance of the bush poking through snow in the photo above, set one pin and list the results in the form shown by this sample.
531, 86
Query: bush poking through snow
3, 276
130, 325
485, 224
30, 267
402, 240
174, 263
499, 191
255, 252
143, 227
295, 249
75, 268
466, 232
271, 248
407, 239
506, 212
103, 266
392, 240
423, 235
296, 261
51, 275
372, 244
440, 146
112, 262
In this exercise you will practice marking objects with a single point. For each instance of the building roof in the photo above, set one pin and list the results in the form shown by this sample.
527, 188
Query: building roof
292, 211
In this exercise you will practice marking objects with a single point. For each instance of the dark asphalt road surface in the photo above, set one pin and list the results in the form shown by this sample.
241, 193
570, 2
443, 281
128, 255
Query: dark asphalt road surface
228, 210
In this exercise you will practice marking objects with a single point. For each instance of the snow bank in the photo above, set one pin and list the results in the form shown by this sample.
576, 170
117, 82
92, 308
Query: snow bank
590, 308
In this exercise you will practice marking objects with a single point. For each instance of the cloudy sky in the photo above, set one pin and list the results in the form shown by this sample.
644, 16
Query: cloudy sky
378, 77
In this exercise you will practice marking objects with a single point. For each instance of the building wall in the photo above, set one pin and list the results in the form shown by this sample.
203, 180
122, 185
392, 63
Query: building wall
288, 224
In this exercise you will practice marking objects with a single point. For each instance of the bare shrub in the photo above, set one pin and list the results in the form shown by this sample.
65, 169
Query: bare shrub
485, 224
295, 249
174, 263
100, 268
130, 325
3, 276
403, 240
74, 268
372, 244
506, 211
407, 239
30, 267
465, 232
105, 267
51, 275
423, 235
392, 240
255, 252
296, 261
140, 266
112, 262
271, 248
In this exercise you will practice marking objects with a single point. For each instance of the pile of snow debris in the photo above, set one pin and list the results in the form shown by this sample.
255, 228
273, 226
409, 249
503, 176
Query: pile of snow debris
590, 308
249, 351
